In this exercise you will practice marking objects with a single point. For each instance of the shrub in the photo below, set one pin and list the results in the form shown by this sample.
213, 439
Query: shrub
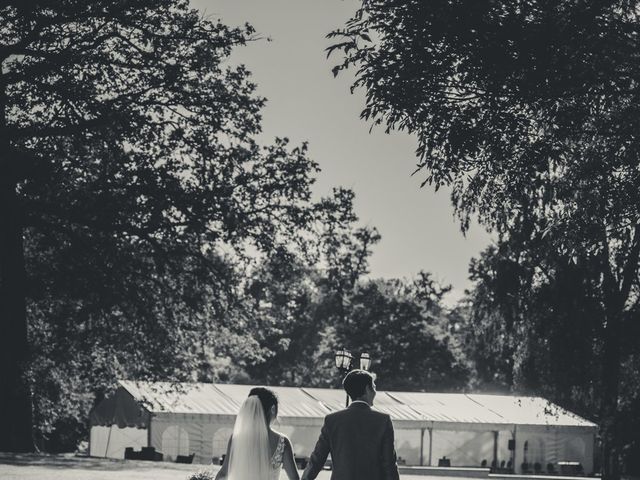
202, 475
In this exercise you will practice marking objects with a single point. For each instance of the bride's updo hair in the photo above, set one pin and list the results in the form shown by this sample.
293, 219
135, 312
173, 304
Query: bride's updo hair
268, 399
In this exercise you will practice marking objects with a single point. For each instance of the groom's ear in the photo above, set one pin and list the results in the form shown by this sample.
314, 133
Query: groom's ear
372, 390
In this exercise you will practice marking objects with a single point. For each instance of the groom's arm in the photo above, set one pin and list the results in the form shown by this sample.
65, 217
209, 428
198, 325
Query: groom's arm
389, 465
319, 455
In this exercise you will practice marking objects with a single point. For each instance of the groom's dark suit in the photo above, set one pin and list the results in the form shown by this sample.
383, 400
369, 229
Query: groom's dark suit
360, 441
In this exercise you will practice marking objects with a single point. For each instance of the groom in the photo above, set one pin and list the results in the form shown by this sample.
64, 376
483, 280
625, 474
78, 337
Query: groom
359, 439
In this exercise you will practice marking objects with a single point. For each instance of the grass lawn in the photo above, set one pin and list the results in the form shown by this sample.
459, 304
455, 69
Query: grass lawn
70, 467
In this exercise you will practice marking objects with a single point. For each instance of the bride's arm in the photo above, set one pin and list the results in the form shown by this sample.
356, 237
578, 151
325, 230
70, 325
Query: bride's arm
289, 461
222, 473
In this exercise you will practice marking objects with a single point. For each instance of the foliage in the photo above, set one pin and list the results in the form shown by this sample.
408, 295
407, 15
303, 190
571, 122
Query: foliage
299, 291
283, 293
128, 150
546, 336
160, 240
315, 301
541, 336
522, 111
202, 475
405, 330
409, 337
309, 309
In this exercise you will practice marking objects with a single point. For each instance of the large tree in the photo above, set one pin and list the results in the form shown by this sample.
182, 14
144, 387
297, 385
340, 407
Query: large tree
541, 335
130, 176
544, 334
403, 326
524, 111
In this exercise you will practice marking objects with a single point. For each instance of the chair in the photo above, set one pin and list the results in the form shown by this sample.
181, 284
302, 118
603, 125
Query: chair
185, 458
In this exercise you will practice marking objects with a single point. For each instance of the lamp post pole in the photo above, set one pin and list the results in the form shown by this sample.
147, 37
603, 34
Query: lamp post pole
344, 362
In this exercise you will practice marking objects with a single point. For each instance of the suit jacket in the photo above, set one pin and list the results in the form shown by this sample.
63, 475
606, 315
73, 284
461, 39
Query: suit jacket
361, 444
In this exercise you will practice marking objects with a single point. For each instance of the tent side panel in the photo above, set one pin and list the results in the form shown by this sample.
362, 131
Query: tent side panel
195, 425
469, 448
550, 445
219, 434
504, 454
303, 437
471, 426
110, 442
299, 421
407, 443
98, 441
590, 454
211, 435
203, 435
170, 435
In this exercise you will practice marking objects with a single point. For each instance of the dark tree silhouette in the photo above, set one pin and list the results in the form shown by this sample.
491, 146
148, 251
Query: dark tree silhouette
523, 111
126, 145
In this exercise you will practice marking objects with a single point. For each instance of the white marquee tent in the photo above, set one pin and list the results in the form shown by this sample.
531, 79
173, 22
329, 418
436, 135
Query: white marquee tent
466, 429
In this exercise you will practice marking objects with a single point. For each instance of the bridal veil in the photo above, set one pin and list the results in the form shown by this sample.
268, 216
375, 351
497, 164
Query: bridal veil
249, 455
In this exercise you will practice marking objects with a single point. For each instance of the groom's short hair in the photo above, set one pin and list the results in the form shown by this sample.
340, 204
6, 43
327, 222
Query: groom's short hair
356, 381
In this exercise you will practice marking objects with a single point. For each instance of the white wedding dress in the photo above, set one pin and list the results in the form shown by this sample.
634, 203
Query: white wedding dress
277, 459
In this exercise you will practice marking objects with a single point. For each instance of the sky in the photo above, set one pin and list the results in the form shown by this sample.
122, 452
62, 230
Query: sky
306, 103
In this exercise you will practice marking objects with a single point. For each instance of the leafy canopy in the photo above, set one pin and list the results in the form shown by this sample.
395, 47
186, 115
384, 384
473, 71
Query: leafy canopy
528, 111
129, 140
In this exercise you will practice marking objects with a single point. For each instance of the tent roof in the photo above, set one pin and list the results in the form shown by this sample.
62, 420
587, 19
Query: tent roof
217, 399
120, 409
530, 410
196, 398
335, 400
493, 409
293, 401
224, 399
448, 407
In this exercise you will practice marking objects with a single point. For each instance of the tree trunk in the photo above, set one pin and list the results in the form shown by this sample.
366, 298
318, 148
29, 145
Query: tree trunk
15, 400
616, 294
609, 399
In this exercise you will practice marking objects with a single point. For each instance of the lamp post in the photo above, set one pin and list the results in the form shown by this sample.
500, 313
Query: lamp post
344, 361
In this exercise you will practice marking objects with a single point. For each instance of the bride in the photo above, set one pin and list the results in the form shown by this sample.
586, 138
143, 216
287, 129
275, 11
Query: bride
255, 450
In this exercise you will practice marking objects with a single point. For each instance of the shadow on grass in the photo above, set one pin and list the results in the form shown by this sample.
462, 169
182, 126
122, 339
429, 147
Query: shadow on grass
71, 461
